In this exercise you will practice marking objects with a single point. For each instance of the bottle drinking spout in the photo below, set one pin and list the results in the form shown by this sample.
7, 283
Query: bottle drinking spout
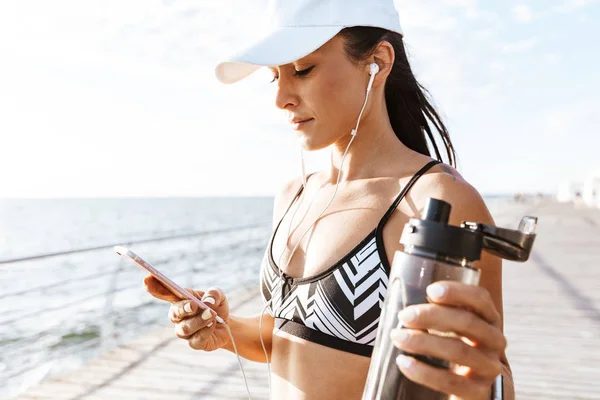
433, 251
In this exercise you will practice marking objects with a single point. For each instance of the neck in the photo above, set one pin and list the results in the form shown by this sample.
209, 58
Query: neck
375, 145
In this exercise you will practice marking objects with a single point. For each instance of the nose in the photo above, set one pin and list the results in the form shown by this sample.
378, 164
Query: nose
286, 97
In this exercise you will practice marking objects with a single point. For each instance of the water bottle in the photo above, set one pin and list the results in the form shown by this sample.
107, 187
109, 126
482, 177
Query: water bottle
433, 251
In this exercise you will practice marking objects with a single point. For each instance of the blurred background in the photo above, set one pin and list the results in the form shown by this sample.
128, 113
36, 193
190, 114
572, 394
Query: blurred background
114, 130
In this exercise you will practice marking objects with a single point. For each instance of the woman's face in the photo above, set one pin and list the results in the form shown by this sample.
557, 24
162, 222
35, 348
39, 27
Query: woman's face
322, 94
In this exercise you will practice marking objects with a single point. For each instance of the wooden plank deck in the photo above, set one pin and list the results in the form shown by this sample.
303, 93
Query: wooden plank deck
159, 366
552, 321
552, 307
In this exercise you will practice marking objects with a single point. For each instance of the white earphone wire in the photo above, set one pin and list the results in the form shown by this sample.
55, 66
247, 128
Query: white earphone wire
373, 72
353, 133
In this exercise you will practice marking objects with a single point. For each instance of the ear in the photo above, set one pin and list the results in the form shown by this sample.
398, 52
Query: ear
384, 55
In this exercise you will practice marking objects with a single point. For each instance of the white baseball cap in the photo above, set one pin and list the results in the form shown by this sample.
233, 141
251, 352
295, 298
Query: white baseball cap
296, 28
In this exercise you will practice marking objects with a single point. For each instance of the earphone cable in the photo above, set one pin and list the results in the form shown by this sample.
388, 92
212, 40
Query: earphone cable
281, 271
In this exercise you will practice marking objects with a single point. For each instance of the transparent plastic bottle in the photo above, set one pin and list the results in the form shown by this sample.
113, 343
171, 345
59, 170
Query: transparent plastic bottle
433, 251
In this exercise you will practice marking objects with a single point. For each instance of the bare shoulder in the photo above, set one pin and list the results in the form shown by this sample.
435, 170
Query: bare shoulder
445, 183
284, 197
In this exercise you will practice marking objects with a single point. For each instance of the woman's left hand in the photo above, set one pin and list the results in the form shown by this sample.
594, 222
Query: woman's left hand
469, 312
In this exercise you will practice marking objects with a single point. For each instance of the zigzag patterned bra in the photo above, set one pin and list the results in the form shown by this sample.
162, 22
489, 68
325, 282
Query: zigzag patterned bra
339, 307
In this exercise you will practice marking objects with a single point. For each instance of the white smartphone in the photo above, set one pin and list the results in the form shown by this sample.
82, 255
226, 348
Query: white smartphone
172, 286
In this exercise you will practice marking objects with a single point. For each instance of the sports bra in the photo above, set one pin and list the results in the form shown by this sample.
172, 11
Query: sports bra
339, 307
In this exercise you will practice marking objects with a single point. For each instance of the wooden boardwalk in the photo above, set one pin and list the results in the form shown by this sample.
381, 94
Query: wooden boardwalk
160, 366
552, 307
552, 321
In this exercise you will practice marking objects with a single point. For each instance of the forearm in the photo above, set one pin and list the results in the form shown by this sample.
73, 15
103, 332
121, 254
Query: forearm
247, 338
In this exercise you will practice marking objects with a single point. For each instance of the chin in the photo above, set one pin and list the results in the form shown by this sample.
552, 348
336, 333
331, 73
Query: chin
310, 143
312, 138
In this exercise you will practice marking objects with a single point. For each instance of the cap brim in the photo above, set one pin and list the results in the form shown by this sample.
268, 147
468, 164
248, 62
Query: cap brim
280, 46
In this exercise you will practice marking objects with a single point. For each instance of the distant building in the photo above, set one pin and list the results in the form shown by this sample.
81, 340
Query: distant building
569, 192
591, 190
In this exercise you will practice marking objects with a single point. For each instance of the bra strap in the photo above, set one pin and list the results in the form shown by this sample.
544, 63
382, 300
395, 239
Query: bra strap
290, 206
408, 186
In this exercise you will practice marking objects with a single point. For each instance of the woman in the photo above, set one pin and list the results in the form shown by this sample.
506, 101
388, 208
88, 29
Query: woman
321, 320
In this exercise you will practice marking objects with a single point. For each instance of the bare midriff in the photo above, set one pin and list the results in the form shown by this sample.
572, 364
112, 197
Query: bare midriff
303, 370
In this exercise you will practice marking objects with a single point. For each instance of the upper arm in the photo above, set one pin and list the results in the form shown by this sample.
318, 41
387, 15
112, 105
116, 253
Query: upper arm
467, 205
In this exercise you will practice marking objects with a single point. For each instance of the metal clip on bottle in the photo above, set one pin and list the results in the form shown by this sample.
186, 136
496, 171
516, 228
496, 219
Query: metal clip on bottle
434, 251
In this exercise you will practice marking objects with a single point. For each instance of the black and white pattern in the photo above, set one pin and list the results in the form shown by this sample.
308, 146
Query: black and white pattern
339, 307
344, 303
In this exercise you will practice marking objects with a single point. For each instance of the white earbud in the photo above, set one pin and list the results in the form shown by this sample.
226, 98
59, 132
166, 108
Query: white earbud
373, 70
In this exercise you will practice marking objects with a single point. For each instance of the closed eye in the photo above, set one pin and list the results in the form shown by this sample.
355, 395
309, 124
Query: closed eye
304, 72
301, 73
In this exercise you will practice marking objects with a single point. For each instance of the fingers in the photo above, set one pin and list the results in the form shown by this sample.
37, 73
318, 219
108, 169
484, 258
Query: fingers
472, 297
190, 326
443, 380
158, 290
486, 364
213, 297
467, 311
456, 320
182, 310
201, 340
193, 322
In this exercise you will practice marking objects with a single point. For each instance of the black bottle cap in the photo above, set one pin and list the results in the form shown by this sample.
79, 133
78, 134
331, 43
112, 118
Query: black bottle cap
434, 235
437, 211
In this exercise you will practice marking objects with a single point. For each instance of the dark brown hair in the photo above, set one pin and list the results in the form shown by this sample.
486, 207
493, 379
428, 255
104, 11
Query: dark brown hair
410, 111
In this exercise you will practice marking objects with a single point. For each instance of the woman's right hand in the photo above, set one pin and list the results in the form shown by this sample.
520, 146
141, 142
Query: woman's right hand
200, 329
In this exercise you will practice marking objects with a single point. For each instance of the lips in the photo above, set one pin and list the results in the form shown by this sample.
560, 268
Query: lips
299, 120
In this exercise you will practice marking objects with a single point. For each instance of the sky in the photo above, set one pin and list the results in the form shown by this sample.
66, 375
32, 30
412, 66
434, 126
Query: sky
119, 98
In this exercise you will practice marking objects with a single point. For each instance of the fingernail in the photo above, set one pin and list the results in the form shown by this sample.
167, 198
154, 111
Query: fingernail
436, 291
206, 314
209, 300
187, 307
209, 325
399, 335
407, 315
404, 362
